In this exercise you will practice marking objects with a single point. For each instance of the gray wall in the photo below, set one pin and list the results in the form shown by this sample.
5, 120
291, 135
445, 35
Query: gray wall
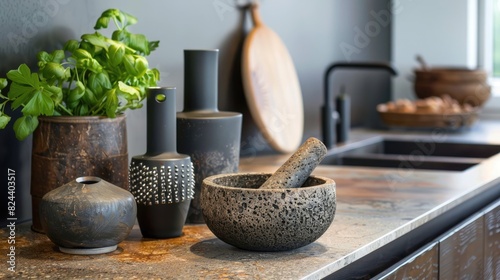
313, 31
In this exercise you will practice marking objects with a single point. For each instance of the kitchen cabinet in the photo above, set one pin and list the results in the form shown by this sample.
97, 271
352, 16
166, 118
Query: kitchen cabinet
492, 242
461, 251
422, 264
470, 250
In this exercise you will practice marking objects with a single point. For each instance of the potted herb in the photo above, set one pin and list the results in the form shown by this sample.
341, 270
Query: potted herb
96, 76
74, 104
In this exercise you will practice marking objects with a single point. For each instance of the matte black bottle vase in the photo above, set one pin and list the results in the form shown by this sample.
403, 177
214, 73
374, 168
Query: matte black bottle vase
161, 180
210, 137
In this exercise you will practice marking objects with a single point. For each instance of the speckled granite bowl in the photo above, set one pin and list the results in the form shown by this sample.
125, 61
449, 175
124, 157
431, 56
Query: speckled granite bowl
242, 215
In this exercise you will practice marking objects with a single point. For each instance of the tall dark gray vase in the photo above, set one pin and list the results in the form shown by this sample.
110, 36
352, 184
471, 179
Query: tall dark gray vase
161, 180
210, 137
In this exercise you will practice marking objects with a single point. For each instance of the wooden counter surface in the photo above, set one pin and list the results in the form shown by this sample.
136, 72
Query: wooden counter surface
375, 207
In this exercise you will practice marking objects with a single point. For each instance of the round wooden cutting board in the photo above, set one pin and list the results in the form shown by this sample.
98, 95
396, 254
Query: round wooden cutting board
272, 88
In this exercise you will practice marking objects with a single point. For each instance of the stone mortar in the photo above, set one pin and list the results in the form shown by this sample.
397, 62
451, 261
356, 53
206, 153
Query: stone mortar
277, 219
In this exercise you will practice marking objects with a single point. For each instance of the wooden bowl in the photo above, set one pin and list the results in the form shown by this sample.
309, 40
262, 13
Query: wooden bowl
467, 86
451, 75
428, 120
474, 94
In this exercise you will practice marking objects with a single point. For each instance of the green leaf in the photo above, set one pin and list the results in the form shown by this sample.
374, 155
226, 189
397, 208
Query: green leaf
55, 56
71, 45
20, 94
81, 54
151, 77
89, 97
136, 65
84, 45
58, 56
40, 104
80, 85
139, 43
82, 110
141, 64
72, 105
111, 13
76, 93
111, 103
4, 120
44, 56
129, 19
130, 92
23, 76
129, 62
120, 36
54, 70
96, 39
99, 83
153, 45
55, 93
24, 126
116, 53
3, 83
121, 17
89, 64
102, 22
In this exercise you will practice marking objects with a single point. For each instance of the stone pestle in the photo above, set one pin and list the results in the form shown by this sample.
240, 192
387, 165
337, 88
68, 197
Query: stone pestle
295, 171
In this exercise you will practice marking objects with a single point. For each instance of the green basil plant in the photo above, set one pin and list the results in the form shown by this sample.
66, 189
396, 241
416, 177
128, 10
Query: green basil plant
96, 76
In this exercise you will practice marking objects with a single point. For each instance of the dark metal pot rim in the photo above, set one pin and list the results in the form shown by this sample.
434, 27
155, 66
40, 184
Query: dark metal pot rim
80, 119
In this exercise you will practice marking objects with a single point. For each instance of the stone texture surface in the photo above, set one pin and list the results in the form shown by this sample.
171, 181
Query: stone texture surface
374, 207
241, 214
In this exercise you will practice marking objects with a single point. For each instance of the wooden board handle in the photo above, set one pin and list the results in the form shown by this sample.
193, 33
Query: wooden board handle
254, 10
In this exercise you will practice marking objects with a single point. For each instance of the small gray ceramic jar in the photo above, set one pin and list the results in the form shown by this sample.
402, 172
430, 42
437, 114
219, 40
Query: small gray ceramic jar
88, 216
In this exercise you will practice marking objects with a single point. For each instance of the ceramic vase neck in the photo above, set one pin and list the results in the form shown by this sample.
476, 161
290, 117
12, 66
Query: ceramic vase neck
200, 80
161, 121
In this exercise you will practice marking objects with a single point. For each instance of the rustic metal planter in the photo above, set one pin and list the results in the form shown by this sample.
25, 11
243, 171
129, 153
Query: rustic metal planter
65, 148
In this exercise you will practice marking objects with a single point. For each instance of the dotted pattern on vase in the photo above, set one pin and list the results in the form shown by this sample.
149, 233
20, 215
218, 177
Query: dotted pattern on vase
161, 184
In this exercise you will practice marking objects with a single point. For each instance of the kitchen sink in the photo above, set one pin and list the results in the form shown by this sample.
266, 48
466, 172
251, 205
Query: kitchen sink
417, 154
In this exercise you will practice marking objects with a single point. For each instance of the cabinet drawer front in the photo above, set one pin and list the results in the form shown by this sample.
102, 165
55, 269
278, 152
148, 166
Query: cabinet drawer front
492, 243
423, 264
461, 251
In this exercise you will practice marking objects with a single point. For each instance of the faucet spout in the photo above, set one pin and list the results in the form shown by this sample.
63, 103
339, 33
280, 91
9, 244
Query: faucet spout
329, 115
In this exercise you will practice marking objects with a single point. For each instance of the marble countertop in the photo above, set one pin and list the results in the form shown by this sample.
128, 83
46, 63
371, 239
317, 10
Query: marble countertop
373, 209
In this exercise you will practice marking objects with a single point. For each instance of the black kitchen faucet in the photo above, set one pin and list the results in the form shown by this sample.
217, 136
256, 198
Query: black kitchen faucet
335, 126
